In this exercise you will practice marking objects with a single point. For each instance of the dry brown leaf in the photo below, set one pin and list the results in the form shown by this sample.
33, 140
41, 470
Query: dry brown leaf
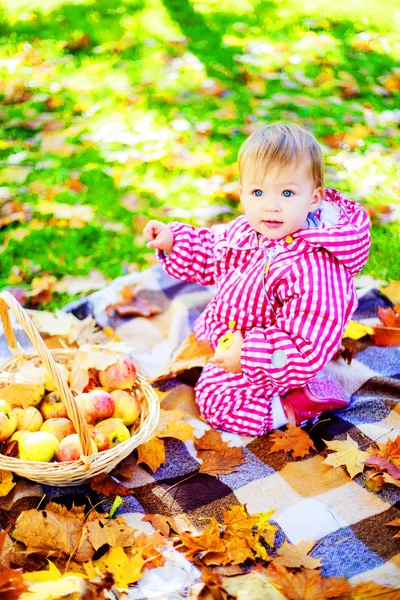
54, 529
152, 453
165, 524
114, 532
125, 469
109, 485
293, 440
297, 556
129, 304
251, 586
217, 458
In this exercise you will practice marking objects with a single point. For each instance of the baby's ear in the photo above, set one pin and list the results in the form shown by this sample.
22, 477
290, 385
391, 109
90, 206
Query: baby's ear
318, 196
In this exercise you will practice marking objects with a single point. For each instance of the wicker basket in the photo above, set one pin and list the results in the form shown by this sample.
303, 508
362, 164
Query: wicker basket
77, 471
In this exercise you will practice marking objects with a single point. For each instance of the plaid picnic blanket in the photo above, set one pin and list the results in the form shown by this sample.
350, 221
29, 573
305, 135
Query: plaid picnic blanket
312, 501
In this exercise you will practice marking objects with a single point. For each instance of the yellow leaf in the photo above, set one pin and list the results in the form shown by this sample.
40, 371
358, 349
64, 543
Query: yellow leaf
66, 587
254, 585
50, 574
126, 568
392, 291
348, 454
297, 556
6, 482
172, 424
355, 330
152, 453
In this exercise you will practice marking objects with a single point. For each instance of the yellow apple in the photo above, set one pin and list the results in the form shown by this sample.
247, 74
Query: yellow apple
127, 406
60, 427
70, 448
52, 407
19, 434
38, 445
108, 433
28, 419
8, 421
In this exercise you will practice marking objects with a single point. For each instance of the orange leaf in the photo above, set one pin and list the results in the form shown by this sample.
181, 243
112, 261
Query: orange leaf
390, 317
208, 543
370, 590
109, 486
294, 440
125, 469
148, 545
217, 457
152, 453
386, 336
114, 532
308, 584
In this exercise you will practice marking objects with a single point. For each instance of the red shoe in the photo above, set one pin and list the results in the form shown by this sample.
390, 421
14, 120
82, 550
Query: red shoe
318, 396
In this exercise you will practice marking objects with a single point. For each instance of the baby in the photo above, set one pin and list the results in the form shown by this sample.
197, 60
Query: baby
283, 273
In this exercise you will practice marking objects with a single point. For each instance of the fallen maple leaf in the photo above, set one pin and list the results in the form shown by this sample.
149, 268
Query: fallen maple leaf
217, 457
152, 453
207, 547
348, 454
242, 533
12, 584
54, 529
386, 457
308, 584
389, 334
126, 567
250, 586
114, 532
165, 524
369, 590
395, 523
294, 440
6, 482
392, 291
109, 485
129, 304
148, 545
172, 424
297, 556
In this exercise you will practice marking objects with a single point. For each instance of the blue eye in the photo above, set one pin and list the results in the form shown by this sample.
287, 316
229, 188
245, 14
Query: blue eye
287, 193
257, 193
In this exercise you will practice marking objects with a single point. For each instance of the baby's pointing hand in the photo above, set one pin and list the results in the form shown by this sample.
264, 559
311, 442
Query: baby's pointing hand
158, 236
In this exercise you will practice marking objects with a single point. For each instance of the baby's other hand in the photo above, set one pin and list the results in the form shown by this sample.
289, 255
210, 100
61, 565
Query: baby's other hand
158, 236
229, 360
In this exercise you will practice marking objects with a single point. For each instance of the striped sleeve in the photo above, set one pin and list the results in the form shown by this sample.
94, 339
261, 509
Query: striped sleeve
316, 302
192, 256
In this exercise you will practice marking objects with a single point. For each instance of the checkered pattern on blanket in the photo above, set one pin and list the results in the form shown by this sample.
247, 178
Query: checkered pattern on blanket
312, 501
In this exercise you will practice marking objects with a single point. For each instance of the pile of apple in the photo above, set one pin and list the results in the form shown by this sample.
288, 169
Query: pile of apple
44, 432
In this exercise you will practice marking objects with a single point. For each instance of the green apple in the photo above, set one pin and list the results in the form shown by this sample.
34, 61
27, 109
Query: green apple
108, 433
38, 445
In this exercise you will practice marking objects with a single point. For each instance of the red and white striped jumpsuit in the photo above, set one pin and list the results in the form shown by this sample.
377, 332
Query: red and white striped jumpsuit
292, 318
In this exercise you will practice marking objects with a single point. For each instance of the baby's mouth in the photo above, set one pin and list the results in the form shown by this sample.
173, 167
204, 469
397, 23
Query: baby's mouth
272, 223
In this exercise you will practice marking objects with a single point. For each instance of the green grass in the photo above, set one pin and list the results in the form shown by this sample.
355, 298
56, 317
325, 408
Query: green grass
156, 102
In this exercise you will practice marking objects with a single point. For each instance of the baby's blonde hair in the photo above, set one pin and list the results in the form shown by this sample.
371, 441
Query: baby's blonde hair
280, 144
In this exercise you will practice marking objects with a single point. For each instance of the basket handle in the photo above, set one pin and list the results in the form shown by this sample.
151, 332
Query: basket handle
7, 301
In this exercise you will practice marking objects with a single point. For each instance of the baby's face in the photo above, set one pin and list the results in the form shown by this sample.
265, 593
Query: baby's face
278, 203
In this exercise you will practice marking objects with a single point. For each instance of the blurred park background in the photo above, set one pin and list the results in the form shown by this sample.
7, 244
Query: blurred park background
116, 111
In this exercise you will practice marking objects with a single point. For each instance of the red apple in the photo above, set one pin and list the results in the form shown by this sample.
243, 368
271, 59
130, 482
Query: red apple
60, 427
120, 375
8, 421
95, 405
109, 433
52, 407
70, 448
127, 406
